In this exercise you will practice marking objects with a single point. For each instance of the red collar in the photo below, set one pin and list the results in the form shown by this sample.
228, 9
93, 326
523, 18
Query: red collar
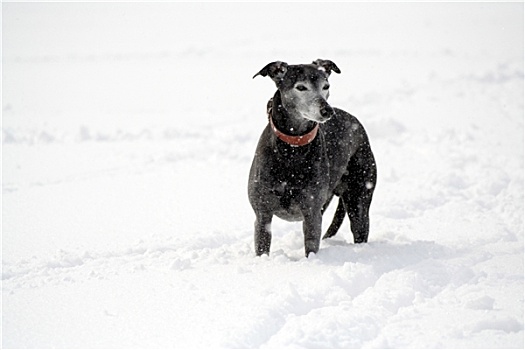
295, 141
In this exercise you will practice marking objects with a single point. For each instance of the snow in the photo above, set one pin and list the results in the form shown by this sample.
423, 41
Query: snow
128, 132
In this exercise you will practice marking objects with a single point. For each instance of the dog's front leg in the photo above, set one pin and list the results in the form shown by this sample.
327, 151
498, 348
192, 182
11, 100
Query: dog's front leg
312, 226
263, 233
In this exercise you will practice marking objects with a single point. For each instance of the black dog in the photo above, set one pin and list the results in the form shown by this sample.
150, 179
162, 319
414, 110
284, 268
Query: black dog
308, 152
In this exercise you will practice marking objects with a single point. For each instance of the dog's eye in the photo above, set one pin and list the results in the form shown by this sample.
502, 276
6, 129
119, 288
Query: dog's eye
301, 88
326, 87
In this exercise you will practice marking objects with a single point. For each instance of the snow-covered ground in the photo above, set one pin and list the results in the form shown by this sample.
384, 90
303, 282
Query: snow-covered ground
128, 132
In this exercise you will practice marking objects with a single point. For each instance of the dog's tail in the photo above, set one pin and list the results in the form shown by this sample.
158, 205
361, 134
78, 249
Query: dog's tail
339, 217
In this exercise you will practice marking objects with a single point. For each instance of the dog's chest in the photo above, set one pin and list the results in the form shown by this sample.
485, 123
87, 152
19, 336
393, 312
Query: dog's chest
291, 168
294, 176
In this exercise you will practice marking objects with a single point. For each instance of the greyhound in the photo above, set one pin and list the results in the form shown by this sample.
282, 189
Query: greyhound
309, 152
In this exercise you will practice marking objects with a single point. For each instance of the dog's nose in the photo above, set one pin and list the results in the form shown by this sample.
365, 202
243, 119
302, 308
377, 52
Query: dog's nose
327, 112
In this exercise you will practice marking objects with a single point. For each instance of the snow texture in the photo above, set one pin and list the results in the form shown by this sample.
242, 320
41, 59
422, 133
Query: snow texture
128, 132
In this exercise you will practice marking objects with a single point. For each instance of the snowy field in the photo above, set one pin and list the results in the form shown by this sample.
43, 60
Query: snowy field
128, 133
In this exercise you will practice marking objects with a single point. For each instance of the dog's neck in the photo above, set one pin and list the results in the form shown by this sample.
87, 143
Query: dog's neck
286, 122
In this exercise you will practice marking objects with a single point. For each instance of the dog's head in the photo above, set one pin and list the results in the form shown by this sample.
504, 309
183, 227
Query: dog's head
304, 88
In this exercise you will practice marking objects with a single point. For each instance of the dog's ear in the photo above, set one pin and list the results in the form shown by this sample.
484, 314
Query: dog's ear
275, 70
327, 65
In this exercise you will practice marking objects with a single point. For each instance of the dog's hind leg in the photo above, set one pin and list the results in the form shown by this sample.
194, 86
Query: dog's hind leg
358, 197
339, 217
